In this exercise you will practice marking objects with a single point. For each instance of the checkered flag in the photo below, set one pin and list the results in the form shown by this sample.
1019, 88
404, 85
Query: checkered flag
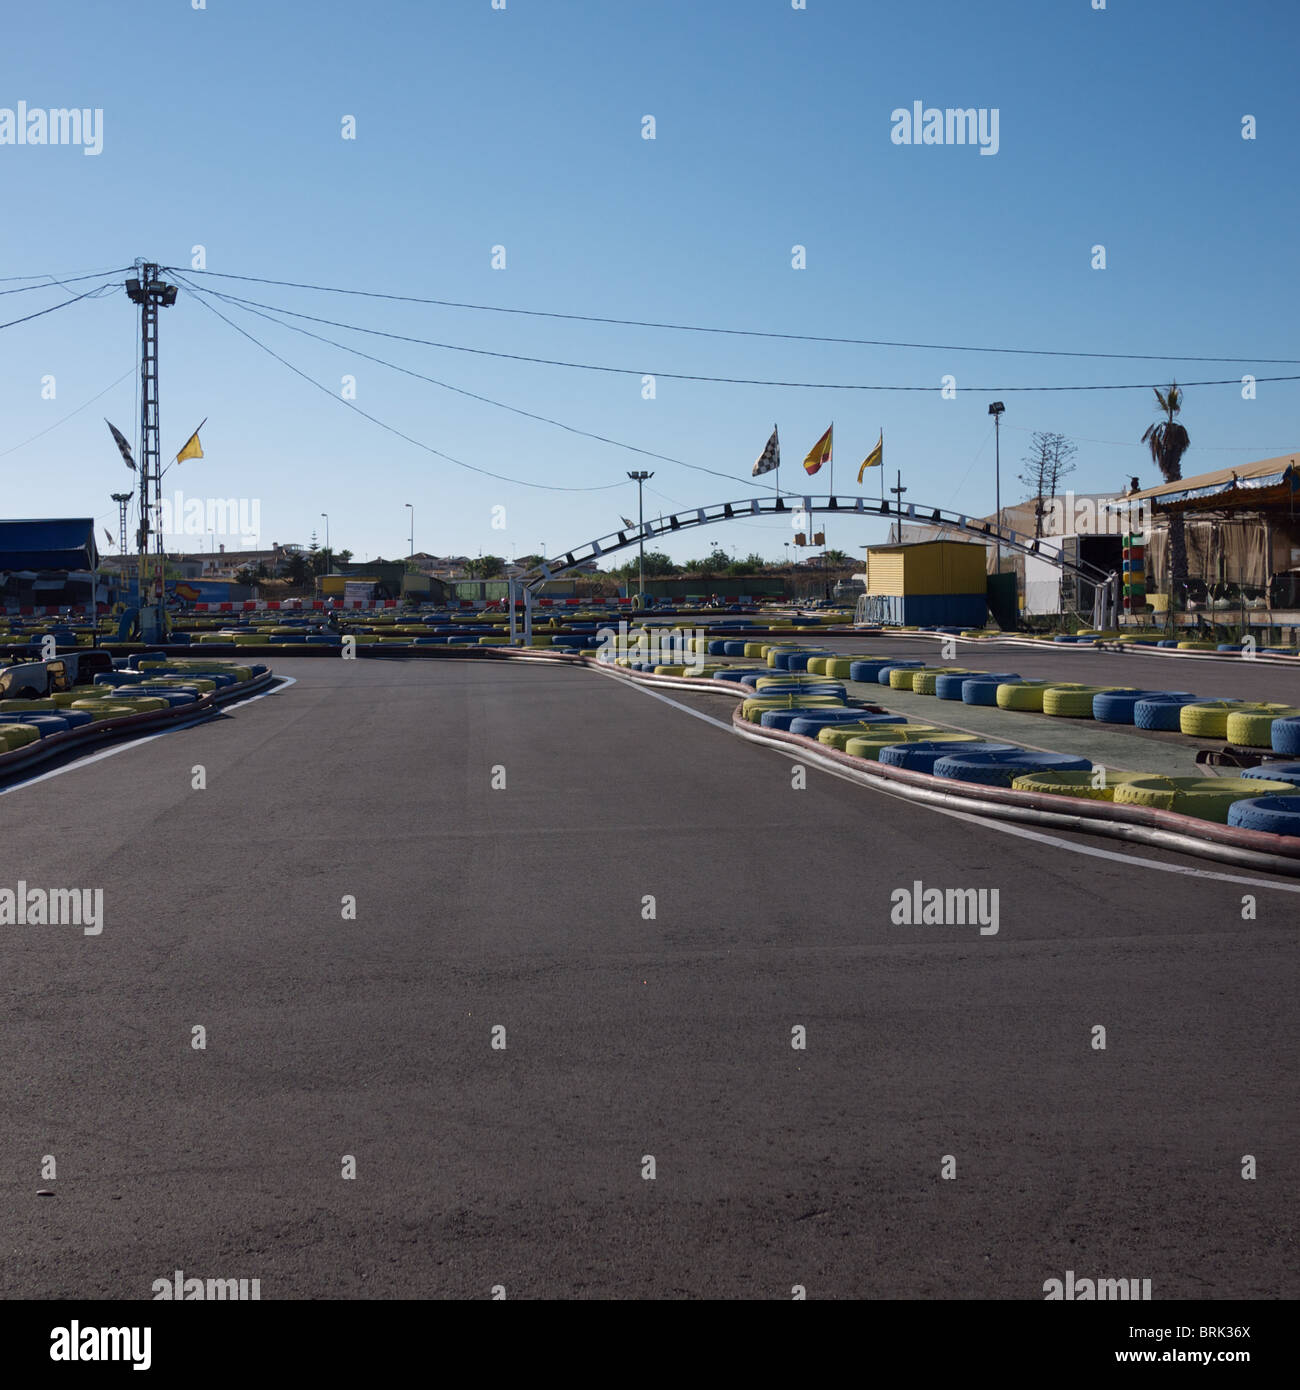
125, 448
770, 457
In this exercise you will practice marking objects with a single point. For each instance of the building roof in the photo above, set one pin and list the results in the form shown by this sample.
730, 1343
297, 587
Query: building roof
57, 543
1241, 485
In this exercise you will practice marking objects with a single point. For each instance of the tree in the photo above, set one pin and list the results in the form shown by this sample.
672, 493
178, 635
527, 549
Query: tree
1168, 442
528, 562
836, 559
1050, 458
486, 567
753, 561
344, 557
298, 569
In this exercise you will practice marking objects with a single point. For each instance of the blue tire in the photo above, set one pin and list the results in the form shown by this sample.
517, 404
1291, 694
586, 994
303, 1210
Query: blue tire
867, 670
1286, 735
1117, 706
1278, 815
882, 676
983, 690
733, 649
1160, 712
44, 724
997, 766
810, 722
1275, 772
922, 757
739, 673
953, 687
799, 660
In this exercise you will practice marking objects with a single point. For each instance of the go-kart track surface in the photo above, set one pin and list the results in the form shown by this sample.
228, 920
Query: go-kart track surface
626, 1036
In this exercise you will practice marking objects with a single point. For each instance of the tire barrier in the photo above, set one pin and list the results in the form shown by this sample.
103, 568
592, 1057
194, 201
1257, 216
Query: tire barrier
922, 756
811, 723
993, 765
734, 648
1275, 815
1073, 701
1118, 706
44, 724
1197, 646
901, 677
1286, 736
1209, 718
17, 736
1161, 712
1081, 784
887, 670
867, 669
1255, 730
983, 690
1274, 772
752, 710
837, 735
947, 685
1207, 798
754, 650
924, 681
869, 744
839, 667
738, 673
1019, 695
100, 710
799, 660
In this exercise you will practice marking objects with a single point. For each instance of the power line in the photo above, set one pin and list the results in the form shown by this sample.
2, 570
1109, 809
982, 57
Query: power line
52, 280
713, 380
474, 395
53, 308
756, 333
64, 419
419, 444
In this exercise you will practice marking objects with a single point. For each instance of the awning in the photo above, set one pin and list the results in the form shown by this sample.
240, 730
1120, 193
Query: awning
1244, 485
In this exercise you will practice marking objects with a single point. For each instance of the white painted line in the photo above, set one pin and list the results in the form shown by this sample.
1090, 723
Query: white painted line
127, 745
1003, 827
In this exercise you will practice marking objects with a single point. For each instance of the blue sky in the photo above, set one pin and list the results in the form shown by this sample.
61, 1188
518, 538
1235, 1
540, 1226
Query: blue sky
522, 128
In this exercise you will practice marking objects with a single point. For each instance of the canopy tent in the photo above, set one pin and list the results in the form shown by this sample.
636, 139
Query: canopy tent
1248, 485
52, 544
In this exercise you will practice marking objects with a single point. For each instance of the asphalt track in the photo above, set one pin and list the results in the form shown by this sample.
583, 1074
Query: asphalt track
626, 1036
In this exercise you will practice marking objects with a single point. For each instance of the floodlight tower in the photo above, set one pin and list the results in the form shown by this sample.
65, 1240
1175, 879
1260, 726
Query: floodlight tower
147, 289
122, 498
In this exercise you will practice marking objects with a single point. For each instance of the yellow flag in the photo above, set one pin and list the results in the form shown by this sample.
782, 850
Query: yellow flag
875, 458
192, 450
820, 452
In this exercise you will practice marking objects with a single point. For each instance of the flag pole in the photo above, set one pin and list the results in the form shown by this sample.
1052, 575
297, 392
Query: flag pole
882, 465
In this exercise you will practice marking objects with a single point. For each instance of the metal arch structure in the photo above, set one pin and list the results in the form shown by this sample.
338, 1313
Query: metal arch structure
788, 505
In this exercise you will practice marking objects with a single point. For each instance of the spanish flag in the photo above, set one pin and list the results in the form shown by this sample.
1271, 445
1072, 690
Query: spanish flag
875, 458
820, 452
193, 449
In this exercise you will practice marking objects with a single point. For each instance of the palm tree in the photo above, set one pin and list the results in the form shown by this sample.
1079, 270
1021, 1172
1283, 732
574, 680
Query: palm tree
1168, 442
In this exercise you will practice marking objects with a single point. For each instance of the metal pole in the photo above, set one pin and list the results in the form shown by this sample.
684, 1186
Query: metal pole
639, 478
995, 410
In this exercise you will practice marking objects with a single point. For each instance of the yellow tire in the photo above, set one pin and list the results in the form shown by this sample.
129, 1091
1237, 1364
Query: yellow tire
838, 667
756, 651
1076, 783
1256, 730
17, 706
1207, 798
1198, 646
17, 736
837, 735
1210, 720
103, 709
924, 681
1022, 695
1072, 701
817, 665
902, 677
885, 735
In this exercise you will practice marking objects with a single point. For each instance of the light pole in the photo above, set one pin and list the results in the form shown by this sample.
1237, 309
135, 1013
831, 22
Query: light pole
639, 479
412, 511
995, 410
